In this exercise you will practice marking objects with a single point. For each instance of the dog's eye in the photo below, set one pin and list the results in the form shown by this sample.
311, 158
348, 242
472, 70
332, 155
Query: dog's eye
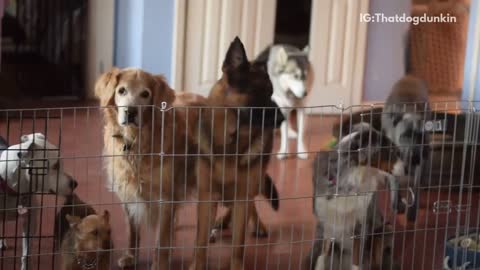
145, 94
95, 232
122, 91
56, 166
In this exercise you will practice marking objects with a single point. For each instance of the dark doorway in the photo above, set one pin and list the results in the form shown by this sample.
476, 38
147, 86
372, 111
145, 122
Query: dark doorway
292, 23
43, 49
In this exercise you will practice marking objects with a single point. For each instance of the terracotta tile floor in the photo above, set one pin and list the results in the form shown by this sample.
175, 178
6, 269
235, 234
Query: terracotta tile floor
291, 228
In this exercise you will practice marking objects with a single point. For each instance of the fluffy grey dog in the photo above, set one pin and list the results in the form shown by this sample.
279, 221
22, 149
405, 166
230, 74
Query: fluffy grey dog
403, 118
346, 182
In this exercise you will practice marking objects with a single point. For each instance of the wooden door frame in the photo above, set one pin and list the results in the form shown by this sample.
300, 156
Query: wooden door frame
178, 52
100, 41
471, 81
319, 46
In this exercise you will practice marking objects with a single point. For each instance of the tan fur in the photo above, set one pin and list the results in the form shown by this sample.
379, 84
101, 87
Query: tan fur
87, 240
233, 177
148, 177
409, 94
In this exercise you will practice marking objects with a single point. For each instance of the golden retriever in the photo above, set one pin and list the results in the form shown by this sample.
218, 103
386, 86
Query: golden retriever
145, 147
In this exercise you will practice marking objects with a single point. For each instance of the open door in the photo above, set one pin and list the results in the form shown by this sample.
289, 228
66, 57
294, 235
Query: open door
337, 51
210, 27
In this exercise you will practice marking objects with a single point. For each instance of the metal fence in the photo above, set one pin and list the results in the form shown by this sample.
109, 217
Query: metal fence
349, 216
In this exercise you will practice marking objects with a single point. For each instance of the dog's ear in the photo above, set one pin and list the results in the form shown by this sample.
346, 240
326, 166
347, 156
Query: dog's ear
73, 220
25, 147
236, 58
162, 91
105, 86
31, 137
106, 216
306, 49
281, 56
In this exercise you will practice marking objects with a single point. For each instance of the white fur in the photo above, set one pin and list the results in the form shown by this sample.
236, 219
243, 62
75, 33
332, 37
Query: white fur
399, 168
131, 97
14, 164
348, 137
341, 214
282, 83
320, 264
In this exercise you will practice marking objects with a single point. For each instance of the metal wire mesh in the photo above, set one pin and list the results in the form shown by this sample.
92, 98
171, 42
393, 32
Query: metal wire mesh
448, 189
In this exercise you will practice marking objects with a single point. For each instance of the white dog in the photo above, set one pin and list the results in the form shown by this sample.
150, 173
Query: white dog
290, 73
33, 166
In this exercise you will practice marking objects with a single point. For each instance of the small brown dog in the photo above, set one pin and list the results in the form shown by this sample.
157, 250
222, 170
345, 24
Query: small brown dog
86, 243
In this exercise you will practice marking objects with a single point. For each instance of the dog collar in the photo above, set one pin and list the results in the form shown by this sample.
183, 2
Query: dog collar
332, 181
126, 146
86, 265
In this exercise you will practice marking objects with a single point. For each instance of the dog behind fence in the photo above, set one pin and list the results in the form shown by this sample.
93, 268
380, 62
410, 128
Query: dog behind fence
445, 230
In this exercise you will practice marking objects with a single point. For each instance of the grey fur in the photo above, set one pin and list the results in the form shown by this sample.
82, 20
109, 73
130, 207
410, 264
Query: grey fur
405, 111
355, 186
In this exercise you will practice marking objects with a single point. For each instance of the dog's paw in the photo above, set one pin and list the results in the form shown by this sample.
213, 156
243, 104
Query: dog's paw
292, 134
3, 244
157, 266
282, 155
236, 264
213, 236
197, 266
25, 264
260, 233
126, 261
302, 155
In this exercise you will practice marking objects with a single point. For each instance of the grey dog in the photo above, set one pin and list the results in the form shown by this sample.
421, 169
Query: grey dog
346, 182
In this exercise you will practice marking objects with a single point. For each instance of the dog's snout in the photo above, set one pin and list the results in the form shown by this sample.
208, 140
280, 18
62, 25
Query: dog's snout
73, 184
131, 114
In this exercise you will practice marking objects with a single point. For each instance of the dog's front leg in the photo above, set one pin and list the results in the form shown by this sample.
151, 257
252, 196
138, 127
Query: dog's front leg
29, 229
311, 260
260, 230
283, 152
412, 211
356, 253
3, 244
206, 212
161, 259
238, 230
221, 224
301, 149
133, 235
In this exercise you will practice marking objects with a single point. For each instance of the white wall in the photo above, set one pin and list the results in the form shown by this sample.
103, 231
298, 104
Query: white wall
385, 60
100, 40
144, 35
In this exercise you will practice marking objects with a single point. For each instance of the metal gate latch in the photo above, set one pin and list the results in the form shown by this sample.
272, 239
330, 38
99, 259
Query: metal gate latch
447, 206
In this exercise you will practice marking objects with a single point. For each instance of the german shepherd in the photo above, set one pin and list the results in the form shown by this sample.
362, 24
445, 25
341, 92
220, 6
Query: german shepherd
259, 229
235, 139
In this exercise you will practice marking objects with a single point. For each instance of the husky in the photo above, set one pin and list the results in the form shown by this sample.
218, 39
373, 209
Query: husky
33, 166
404, 115
290, 72
345, 183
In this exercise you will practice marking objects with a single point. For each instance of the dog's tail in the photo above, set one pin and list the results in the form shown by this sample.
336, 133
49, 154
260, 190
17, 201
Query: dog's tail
270, 191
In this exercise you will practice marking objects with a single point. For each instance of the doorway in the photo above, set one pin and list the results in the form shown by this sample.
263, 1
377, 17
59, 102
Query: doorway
292, 22
43, 49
